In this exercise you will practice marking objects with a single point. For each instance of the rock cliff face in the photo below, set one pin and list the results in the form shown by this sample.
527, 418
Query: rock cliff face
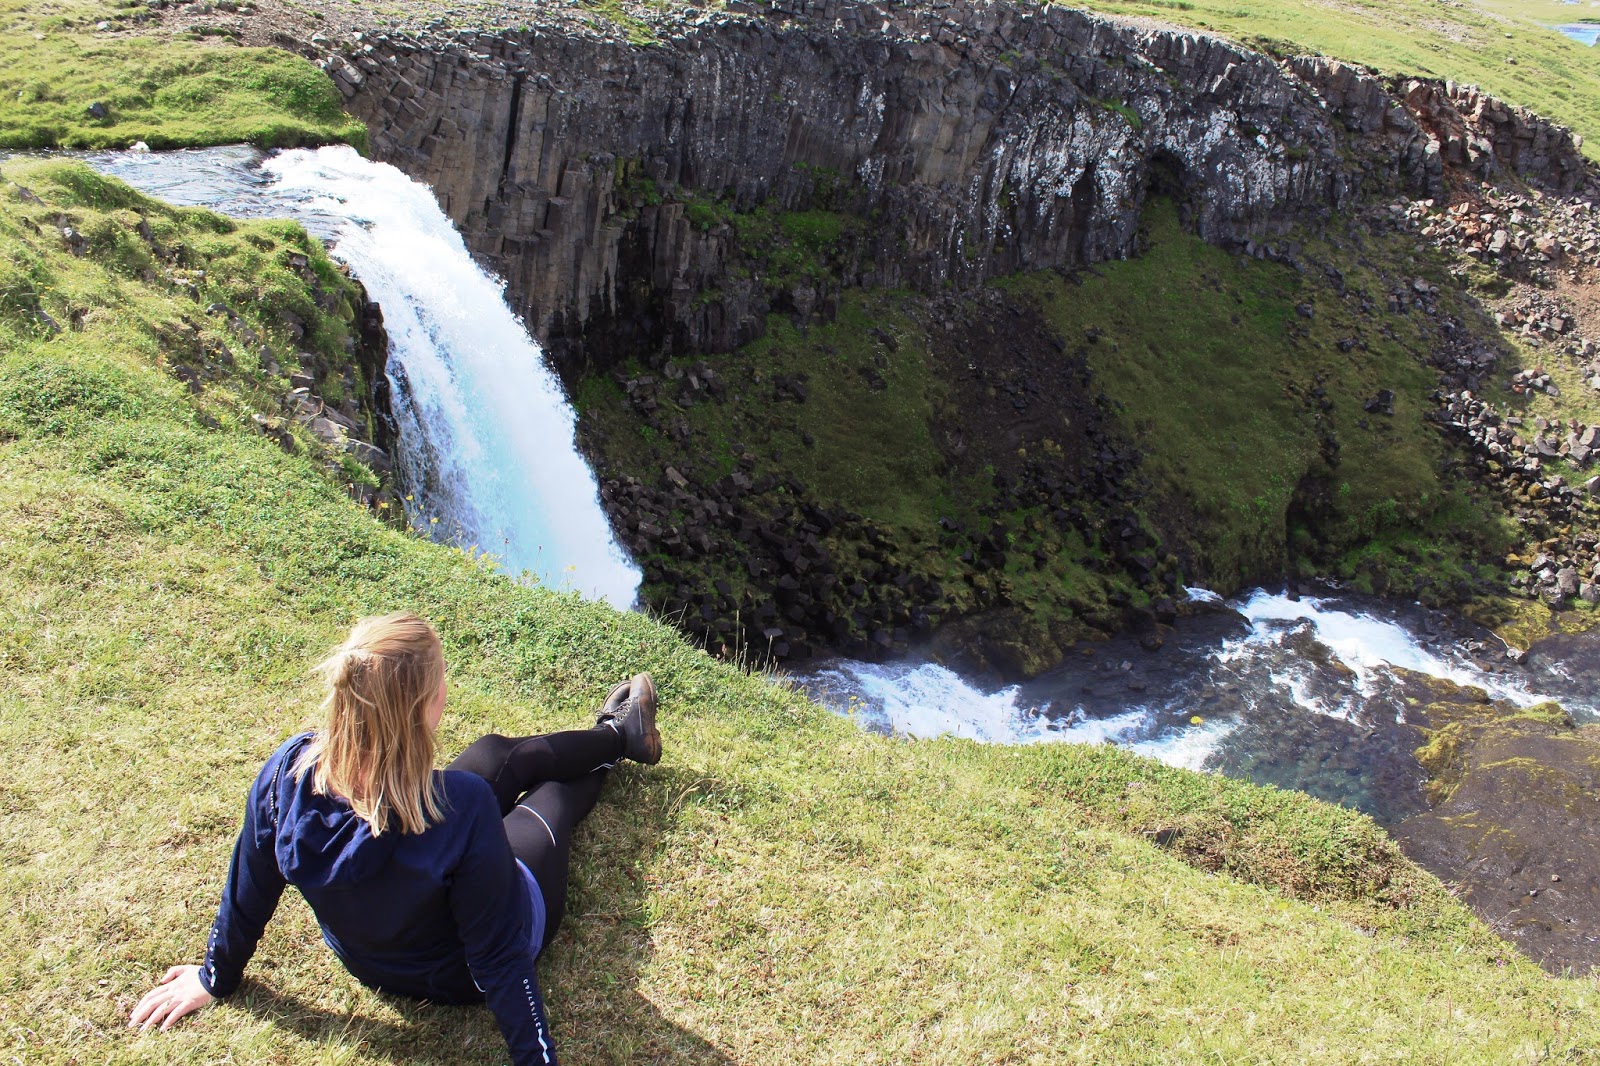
973, 141
660, 202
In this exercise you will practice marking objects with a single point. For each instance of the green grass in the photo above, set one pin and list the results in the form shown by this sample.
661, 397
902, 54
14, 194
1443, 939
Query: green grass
1233, 396
1504, 46
782, 888
168, 93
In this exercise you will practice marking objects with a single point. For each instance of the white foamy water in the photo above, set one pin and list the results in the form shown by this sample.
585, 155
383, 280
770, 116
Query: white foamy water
929, 700
1308, 656
489, 435
487, 440
1366, 645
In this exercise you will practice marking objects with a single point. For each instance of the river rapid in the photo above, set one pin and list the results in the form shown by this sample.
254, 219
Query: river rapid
1302, 692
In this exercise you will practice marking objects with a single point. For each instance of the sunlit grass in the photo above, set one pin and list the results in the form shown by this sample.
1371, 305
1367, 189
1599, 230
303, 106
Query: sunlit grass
1504, 46
782, 888
167, 92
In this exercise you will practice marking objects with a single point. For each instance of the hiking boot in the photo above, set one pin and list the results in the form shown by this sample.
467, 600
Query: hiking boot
631, 711
613, 704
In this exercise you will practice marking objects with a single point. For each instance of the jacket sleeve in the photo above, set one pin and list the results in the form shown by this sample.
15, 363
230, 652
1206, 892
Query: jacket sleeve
493, 914
250, 896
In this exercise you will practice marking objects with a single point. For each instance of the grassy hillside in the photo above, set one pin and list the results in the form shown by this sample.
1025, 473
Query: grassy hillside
1504, 46
783, 888
66, 57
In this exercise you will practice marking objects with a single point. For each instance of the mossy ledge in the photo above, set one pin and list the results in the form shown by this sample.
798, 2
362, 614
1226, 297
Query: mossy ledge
783, 887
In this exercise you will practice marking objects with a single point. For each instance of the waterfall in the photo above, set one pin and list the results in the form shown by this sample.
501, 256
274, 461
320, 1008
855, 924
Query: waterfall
487, 439
1307, 693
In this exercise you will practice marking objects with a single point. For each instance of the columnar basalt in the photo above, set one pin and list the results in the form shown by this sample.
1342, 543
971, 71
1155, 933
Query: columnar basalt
976, 141
1029, 139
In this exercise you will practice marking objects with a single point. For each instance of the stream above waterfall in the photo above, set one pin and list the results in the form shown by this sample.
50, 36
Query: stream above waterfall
1301, 692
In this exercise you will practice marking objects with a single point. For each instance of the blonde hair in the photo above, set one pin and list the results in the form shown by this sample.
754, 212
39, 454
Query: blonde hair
376, 749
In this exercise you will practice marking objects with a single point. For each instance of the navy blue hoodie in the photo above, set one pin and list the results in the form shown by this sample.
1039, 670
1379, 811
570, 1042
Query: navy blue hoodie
447, 914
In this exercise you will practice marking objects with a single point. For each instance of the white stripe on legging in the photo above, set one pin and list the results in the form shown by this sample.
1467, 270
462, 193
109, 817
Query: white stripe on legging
539, 816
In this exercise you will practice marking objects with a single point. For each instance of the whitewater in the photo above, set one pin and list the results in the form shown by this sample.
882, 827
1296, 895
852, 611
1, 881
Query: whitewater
1300, 691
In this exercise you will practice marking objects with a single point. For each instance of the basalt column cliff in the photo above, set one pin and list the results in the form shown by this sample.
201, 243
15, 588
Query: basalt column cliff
631, 193
985, 138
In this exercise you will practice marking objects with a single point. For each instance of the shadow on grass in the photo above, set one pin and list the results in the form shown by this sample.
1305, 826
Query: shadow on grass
595, 971
591, 973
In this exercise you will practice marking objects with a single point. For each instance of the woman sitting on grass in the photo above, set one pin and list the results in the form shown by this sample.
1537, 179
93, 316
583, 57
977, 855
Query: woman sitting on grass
446, 885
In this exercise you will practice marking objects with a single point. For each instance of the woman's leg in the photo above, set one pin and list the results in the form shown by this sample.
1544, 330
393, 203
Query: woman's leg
540, 829
513, 766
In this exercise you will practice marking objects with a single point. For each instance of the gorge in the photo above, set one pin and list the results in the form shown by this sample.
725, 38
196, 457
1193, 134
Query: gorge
933, 360
656, 208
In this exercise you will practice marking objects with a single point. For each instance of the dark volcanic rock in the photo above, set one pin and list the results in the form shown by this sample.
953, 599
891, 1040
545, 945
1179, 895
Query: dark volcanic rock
1515, 802
980, 140
561, 158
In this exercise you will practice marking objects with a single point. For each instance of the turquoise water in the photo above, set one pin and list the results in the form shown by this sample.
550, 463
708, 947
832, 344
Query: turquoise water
1582, 32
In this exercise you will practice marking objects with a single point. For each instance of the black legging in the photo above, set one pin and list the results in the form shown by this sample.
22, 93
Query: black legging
545, 786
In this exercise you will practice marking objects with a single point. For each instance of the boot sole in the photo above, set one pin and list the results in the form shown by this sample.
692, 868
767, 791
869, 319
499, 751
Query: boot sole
643, 694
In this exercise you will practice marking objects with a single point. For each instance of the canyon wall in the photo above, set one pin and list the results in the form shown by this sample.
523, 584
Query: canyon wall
975, 140
979, 141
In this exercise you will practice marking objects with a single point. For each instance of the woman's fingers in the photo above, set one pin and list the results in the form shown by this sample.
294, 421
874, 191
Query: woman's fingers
147, 1007
178, 993
178, 1011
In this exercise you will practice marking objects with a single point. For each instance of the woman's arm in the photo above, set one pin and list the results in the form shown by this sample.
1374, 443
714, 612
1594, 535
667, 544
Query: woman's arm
248, 900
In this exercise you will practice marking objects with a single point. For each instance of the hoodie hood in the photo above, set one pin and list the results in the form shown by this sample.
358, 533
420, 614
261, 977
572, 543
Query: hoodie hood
319, 840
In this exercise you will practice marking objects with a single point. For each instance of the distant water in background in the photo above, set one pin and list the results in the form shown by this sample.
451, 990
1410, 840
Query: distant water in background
1582, 32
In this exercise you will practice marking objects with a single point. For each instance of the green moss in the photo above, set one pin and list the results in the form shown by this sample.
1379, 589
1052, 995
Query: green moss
1444, 757
1252, 418
814, 231
1117, 107
155, 269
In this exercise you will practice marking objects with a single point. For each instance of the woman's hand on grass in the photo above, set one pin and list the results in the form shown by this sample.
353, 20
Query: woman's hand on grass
180, 992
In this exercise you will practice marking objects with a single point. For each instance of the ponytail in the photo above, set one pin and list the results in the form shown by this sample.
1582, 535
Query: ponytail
375, 749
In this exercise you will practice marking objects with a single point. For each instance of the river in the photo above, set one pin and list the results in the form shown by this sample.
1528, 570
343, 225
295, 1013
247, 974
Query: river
1582, 32
1301, 692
